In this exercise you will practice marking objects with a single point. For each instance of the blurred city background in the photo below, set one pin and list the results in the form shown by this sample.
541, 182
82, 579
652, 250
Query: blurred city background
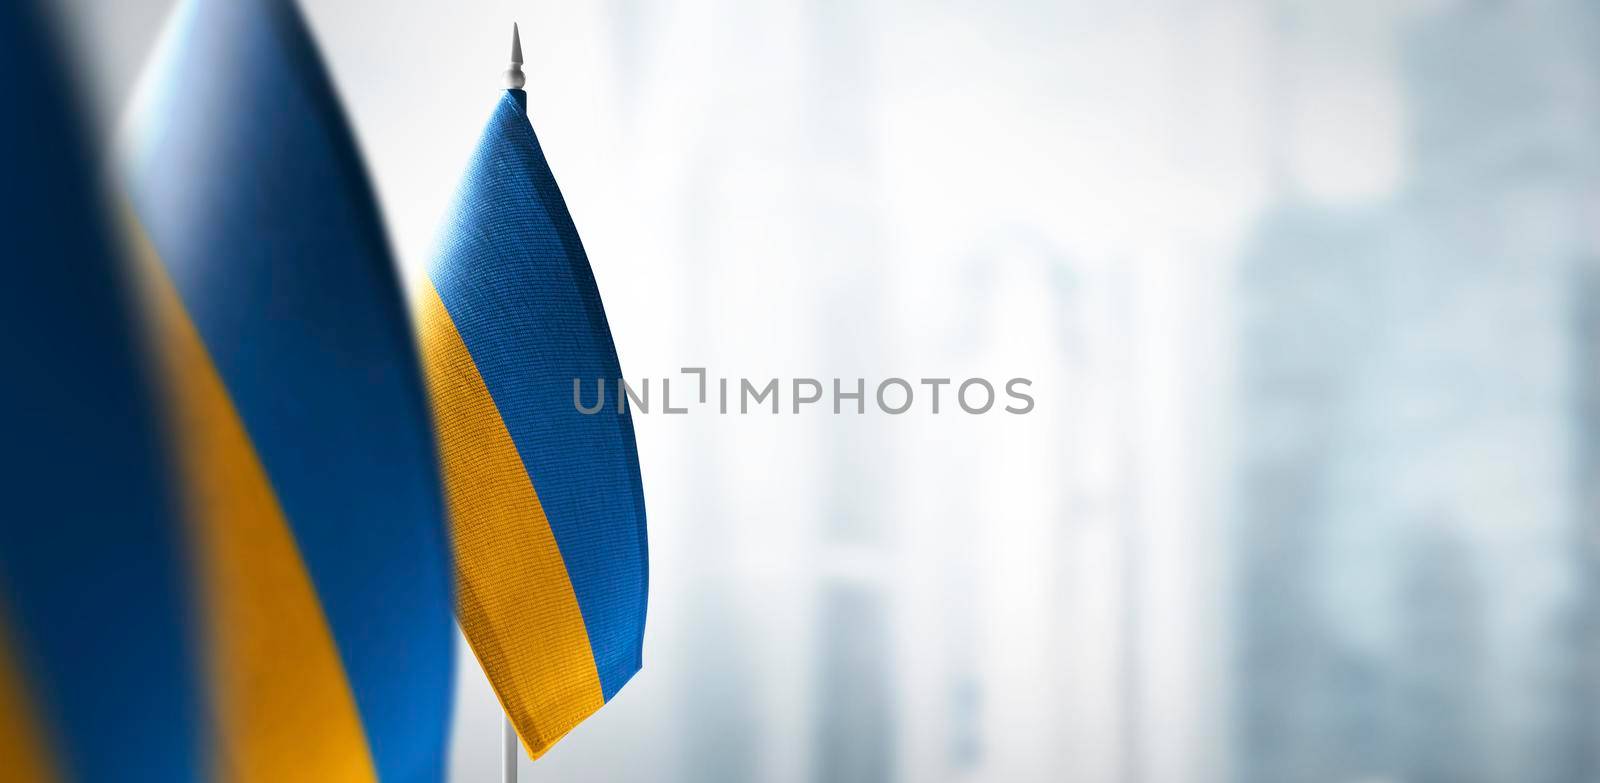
1310, 294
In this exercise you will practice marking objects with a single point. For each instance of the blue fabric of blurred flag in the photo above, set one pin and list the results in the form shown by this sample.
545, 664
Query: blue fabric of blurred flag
305, 437
97, 674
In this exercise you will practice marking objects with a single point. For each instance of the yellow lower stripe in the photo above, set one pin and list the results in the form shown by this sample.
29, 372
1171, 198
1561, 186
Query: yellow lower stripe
513, 598
24, 754
283, 708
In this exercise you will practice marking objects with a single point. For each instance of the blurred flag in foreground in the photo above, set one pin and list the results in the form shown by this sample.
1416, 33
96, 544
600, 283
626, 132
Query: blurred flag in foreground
546, 504
95, 666
302, 423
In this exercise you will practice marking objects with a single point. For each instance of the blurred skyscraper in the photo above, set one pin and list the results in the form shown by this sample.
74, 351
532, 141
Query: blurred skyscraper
854, 713
1415, 584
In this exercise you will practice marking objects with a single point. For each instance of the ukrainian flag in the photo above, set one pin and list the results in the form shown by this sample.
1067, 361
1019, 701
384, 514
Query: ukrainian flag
302, 426
95, 657
546, 503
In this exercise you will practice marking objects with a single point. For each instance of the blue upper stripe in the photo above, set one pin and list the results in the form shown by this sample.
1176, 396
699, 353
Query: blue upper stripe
91, 578
252, 192
515, 280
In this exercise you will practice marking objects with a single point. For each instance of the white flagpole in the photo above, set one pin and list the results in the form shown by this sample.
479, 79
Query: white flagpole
508, 752
510, 746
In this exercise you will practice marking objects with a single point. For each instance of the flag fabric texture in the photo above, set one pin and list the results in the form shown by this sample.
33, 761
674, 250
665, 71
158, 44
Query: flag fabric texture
96, 665
301, 420
547, 508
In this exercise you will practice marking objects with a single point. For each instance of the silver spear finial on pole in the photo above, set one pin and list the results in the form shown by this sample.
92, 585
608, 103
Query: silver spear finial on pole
514, 77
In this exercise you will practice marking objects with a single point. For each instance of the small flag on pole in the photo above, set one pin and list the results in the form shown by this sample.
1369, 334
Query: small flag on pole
546, 504
301, 420
97, 675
